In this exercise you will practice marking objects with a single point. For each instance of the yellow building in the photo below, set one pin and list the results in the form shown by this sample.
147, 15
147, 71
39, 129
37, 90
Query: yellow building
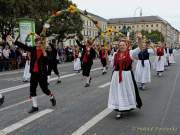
147, 23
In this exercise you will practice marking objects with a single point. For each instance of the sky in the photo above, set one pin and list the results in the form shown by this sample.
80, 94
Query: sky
169, 10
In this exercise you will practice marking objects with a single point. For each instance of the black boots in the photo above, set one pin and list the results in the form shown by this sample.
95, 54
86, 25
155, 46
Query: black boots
2, 100
33, 109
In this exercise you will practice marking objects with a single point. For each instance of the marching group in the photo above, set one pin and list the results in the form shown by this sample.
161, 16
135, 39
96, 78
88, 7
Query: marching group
125, 83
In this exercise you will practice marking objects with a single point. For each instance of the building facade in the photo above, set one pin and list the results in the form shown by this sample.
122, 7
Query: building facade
147, 23
89, 29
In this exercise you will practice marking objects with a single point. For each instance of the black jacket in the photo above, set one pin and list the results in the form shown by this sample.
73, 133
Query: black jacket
42, 62
92, 54
52, 55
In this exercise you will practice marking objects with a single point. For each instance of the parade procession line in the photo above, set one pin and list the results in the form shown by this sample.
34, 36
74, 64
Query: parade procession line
27, 85
24, 122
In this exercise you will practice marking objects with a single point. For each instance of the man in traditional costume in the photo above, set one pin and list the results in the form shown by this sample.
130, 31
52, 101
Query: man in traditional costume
88, 54
52, 62
103, 55
38, 70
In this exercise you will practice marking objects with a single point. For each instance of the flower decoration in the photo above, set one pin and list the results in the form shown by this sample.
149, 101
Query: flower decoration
72, 9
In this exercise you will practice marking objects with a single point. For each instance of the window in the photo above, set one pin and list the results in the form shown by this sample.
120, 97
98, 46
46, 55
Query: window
156, 25
87, 22
69, 42
142, 26
152, 25
147, 25
119, 27
114, 27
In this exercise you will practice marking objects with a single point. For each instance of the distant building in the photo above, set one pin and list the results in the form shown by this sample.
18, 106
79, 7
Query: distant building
148, 23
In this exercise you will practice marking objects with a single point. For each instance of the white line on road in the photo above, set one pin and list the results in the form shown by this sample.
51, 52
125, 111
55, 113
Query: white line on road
104, 85
14, 105
92, 122
24, 122
27, 85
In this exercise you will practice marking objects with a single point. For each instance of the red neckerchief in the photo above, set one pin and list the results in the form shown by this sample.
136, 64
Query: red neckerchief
160, 52
122, 60
38, 55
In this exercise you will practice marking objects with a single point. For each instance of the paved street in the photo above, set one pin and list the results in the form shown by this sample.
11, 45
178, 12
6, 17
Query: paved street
83, 110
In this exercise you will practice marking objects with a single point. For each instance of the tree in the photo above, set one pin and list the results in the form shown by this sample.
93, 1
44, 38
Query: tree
39, 10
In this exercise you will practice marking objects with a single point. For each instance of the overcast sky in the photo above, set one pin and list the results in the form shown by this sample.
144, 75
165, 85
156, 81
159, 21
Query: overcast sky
167, 9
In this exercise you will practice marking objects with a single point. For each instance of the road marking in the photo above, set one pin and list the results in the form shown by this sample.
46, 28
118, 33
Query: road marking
14, 105
104, 85
92, 122
22, 70
25, 121
168, 105
27, 85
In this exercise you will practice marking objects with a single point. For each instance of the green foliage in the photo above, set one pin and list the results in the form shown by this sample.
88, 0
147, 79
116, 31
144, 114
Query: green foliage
154, 36
39, 10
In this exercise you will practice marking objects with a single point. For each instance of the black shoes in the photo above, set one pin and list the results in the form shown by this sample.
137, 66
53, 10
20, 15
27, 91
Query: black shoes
53, 101
87, 85
118, 115
2, 100
33, 109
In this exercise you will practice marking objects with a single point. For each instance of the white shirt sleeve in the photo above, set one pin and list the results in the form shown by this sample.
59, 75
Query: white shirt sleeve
151, 52
112, 60
134, 53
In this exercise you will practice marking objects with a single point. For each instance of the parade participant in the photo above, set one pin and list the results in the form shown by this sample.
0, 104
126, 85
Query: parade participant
159, 59
143, 71
38, 70
27, 75
167, 54
87, 57
1, 99
171, 56
123, 94
103, 55
77, 61
52, 61
165, 57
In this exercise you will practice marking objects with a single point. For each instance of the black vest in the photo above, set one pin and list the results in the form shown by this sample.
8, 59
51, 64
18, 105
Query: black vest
143, 55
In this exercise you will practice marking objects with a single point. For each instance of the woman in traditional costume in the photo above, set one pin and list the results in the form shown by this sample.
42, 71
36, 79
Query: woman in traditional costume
123, 94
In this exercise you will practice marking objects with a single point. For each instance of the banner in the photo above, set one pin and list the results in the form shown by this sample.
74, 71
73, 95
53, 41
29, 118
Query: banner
27, 26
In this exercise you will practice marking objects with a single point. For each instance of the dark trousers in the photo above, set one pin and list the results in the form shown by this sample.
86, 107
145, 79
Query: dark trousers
42, 80
103, 61
86, 69
54, 68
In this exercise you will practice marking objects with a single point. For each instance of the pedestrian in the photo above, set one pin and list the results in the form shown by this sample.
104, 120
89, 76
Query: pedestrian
52, 61
87, 57
123, 94
143, 67
38, 70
